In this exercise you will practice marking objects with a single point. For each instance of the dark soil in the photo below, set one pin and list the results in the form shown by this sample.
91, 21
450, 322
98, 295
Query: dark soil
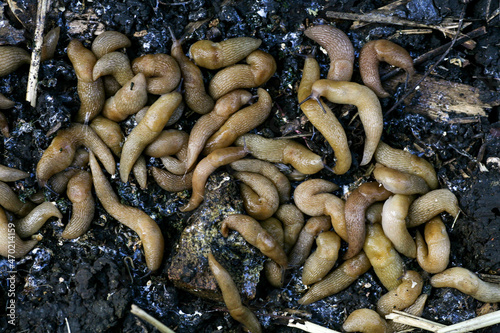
88, 284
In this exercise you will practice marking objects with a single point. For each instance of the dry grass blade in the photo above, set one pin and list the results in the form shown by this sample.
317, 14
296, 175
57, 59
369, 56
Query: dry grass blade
307, 326
473, 324
150, 319
408, 319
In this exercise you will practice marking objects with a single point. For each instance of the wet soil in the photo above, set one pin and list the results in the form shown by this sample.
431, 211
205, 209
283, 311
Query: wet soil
88, 284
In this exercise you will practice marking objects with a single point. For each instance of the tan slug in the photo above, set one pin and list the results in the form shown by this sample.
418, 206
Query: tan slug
355, 208
11, 175
403, 296
49, 44
313, 197
431, 204
339, 49
416, 309
140, 172
169, 142
173, 119
209, 123
147, 229
338, 280
195, 94
257, 236
37, 217
232, 297
170, 182
406, 162
323, 119
82, 203
148, 129
10, 242
258, 70
302, 248
82, 59
10, 201
394, 215
208, 54
109, 41
468, 283
399, 182
6, 103
11, 58
116, 64
281, 151
240, 123
385, 260
59, 181
369, 109
4, 125
374, 212
176, 165
110, 133
433, 253
365, 320
274, 273
205, 168
382, 50
131, 97
269, 171
59, 155
260, 196
321, 261
293, 221
161, 70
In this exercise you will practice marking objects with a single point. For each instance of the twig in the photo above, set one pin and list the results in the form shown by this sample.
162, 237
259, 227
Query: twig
307, 326
43, 6
473, 324
411, 320
150, 319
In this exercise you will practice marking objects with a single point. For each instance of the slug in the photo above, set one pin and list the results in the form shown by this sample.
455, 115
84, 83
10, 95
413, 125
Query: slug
324, 120
385, 260
195, 94
269, 171
403, 296
82, 203
212, 55
232, 297
399, 182
170, 182
109, 41
111, 86
4, 125
147, 229
302, 248
110, 133
365, 320
339, 49
176, 165
374, 212
394, 215
82, 59
11, 175
169, 142
140, 172
148, 129
293, 221
11, 58
131, 97
205, 168
274, 273
258, 70
115, 64
6, 103
282, 151
430, 205
209, 123
161, 70
257, 236
433, 253
313, 197
355, 208
37, 217
260, 196
321, 261
59, 181
468, 283
406, 162
416, 309
240, 123
59, 155
338, 280
10, 242
10, 201
369, 109
372, 53
49, 44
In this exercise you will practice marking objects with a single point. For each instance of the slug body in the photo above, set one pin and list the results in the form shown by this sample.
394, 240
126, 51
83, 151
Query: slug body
83, 205
115, 64
370, 111
321, 261
49, 44
339, 49
253, 233
109, 41
169, 142
260, 196
433, 254
302, 248
293, 221
128, 100
232, 297
11, 58
32, 222
170, 182
205, 168
325, 121
10, 242
382, 50
147, 229
274, 273
355, 208
258, 70
400, 182
11, 175
403, 296
110, 133
394, 215
212, 55
6, 103
10, 201
365, 320
161, 70
429, 205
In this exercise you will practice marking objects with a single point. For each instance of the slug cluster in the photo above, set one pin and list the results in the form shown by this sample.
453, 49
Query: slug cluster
403, 195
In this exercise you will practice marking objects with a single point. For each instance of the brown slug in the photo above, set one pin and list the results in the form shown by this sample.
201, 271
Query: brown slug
11, 202
274, 273
433, 253
293, 221
365, 320
140, 172
394, 215
169, 142
109, 41
11, 175
302, 248
11, 58
399, 182
59, 181
49, 44
260, 196
131, 97
321, 261
10, 242
116, 64
170, 182
110, 133
403, 296
6, 103
431, 204
82, 59
37, 217
82, 203
161, 70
